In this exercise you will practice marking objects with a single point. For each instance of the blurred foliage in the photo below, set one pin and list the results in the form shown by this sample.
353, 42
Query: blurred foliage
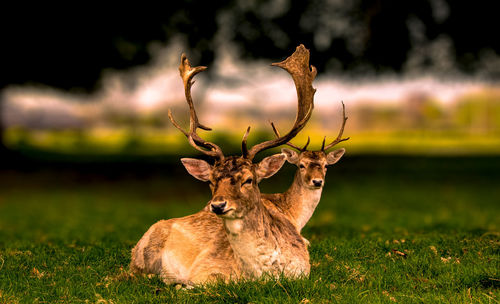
419, 125
479, 112
148, 142
356, 37
360, 38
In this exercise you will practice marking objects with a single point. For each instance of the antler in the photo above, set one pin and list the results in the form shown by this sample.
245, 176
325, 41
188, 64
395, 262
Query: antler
339, 137
289, 143
187, 73
297, 65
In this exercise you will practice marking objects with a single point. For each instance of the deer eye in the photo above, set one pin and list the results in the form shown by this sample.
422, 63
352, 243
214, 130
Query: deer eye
302, 166
247, 181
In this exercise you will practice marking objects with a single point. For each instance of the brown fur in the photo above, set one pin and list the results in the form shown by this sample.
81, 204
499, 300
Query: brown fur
245, 242
189, 240
300, 200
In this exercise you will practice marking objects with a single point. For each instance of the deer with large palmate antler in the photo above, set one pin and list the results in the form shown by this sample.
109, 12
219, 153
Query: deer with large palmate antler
237, 237
301, 199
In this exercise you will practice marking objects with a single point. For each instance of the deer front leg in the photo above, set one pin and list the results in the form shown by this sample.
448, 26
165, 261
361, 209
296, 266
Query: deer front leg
207, 269
170, 278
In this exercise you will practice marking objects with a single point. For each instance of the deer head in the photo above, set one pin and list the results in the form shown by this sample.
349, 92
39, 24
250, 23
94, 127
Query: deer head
313, 164
234, 180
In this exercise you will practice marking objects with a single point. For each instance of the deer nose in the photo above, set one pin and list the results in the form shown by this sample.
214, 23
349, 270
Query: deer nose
317, 182
218, 206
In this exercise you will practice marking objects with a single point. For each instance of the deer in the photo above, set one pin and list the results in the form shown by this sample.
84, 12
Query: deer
301, 199
237, 237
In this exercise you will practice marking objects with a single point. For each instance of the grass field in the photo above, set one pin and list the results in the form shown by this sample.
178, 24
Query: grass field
403, 229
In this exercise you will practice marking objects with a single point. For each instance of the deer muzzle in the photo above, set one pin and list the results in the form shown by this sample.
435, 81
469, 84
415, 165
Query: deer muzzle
317, 182
315, 177
219, 205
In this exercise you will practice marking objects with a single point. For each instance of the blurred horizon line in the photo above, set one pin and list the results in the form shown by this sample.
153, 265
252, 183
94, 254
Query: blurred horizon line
252, 93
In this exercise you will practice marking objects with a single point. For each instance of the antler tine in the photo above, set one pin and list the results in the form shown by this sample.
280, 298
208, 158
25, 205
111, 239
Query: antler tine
277, 133
339, 137
297, 65
187, 73
307, 144
244, 147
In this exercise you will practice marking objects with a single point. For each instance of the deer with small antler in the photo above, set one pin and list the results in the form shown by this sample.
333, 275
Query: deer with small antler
237, 237
300, 200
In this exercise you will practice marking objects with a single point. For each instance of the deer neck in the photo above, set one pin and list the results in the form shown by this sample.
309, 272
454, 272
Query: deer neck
301, 201
256, 249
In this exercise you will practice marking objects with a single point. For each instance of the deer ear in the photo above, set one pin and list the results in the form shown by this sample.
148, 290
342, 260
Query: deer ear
198, 168
334, 156
291, 156
269, 165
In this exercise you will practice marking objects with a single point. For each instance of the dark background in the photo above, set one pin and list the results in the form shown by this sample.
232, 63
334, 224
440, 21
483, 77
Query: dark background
70, 46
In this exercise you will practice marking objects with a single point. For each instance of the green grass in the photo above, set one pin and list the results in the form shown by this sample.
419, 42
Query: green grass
392, 230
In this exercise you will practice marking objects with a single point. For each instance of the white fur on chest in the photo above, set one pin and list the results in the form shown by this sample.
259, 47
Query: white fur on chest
310, 199
234, 226
256, 255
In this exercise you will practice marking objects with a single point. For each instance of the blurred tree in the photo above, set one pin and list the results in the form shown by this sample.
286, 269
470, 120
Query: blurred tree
68, 46
478, 112
3, 149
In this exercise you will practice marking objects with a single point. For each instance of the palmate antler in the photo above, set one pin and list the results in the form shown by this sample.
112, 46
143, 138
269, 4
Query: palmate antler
297, 65
187, 73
